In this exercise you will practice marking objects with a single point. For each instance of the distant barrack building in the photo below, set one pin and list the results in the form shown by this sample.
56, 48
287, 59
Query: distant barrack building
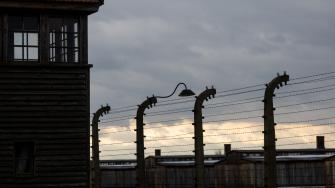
44, 93
236, 169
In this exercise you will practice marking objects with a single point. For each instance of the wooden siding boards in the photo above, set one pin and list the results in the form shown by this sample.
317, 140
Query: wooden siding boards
171, 176
158, 177
301, 174
234, 173
229, 174
118, 178
47, 104
250, 174
330, 172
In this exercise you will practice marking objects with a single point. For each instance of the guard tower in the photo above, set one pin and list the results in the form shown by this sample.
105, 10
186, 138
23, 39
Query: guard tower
44, 93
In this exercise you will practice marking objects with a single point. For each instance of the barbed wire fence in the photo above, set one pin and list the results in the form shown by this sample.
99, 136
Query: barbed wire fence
303, 110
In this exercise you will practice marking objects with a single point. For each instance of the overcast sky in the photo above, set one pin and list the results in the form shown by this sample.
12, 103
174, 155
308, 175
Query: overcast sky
140, 48
143, 47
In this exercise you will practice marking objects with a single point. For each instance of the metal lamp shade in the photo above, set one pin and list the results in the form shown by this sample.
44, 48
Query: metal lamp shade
186, 93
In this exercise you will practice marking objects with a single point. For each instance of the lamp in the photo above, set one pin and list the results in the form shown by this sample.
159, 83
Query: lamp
184, 93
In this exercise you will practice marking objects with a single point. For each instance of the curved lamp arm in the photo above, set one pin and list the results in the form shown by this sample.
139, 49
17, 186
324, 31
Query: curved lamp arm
174, 91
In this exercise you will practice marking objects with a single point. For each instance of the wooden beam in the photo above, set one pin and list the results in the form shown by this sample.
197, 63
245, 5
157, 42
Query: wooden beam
1, 37
4, 38
88, 7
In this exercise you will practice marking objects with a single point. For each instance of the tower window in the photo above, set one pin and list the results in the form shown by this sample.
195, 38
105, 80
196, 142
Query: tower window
63, 40
24, 158
23, 38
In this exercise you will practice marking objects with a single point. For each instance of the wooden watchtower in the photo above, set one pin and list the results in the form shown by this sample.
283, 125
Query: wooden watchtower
44, 93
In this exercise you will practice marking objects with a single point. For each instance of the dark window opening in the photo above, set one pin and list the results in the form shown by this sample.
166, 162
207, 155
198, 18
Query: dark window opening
63, 40
23, 42
24, 158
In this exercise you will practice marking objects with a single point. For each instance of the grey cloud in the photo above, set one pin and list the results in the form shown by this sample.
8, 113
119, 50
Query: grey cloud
144, 47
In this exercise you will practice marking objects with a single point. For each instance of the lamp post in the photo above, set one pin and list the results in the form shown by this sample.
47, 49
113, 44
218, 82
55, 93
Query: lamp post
149, 103
198, 136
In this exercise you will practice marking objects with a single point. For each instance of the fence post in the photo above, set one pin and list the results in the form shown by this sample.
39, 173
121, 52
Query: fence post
140, 168
198, 135
270, 170
95, 145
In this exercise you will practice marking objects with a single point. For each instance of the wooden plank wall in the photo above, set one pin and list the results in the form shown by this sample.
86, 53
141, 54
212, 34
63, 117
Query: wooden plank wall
48, 105
157, 177
177, 177
242, 175
118, 178
298, 173
301, 173
330, 173
235, 175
